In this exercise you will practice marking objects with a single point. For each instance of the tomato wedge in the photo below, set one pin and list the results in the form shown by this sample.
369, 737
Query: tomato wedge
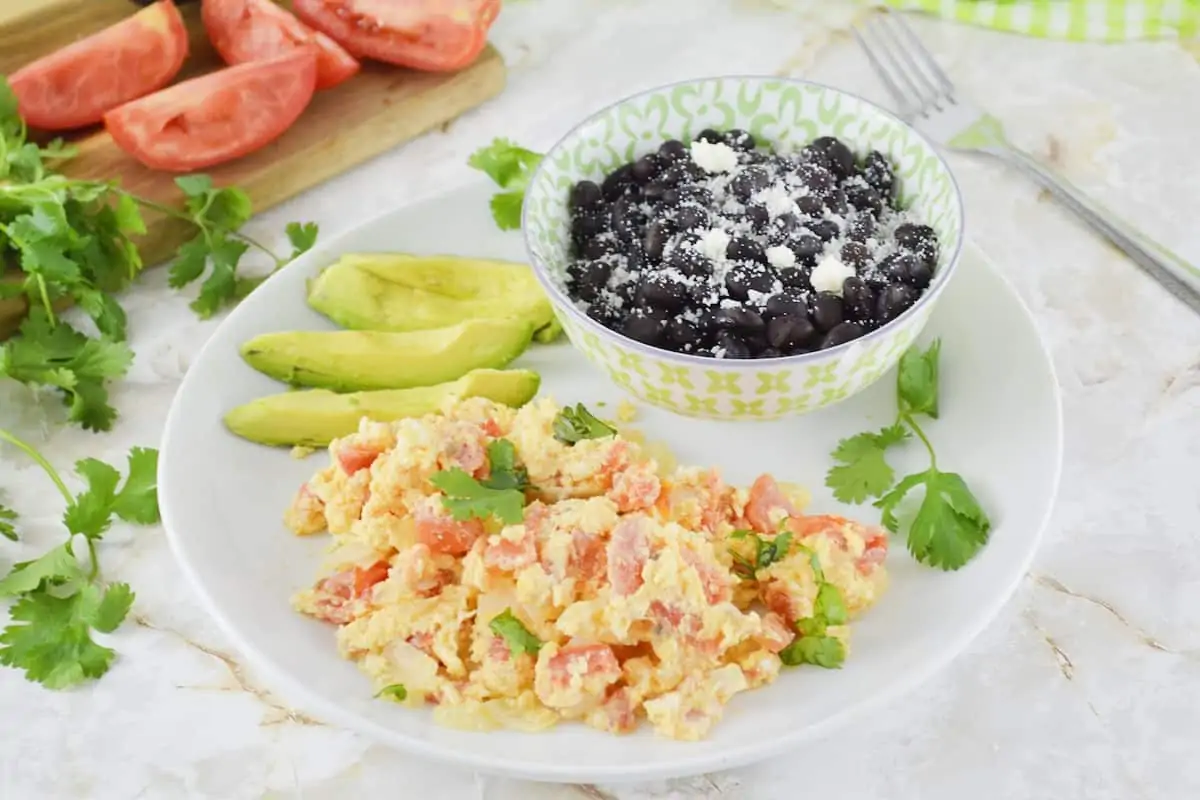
432, 35
74, 86
251, 30
216, 117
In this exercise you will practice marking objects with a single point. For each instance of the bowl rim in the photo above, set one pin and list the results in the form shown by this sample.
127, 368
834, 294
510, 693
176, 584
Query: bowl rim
561, 300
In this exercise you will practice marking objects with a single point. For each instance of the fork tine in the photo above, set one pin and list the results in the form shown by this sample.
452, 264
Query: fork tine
909, 71
914, 100
905, 106
925, 56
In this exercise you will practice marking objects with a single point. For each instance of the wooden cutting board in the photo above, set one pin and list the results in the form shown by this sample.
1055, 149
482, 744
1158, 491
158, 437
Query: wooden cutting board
373, 112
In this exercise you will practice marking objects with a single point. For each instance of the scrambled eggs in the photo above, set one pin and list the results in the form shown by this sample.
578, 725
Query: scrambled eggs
627, 591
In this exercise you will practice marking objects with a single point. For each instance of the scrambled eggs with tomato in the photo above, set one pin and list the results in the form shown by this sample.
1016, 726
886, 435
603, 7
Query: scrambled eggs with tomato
619, 591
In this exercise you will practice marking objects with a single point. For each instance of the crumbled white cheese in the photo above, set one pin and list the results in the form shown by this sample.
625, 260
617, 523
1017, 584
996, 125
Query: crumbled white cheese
777, 200
714, 157
713, 244
830, 273
780, 257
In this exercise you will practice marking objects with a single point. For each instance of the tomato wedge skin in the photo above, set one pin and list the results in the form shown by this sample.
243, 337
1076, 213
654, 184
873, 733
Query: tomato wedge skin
217, 117
429, 35
251, 30
76, 85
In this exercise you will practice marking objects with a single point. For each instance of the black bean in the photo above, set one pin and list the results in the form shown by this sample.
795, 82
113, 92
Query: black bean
858, 300
913, 237
855, 254
827, 311
741, 280
815, 156
919, 274
587, 278
864, 198
877, 172
835, 201
710, 136
689, 261
759, 217
861, 227
683, 333
598, 248
807, 248
654, 192
794, 278
645, 168
785, 223
842, 333
893, 301
841, 157
706, 320
733, 346
603, 314
688, 194
895, 268
826, 229
586, 225
691, 216
749, 181
645, 325
672, 150
617, 182
770, 352
810, 205
788, 332
663, 292
785, 304
656, 236
743, 248
584, 194
818, 179
624, 219
740, 140
744, 320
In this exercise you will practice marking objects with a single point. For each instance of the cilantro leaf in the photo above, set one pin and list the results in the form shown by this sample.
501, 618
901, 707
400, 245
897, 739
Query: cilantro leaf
7, 518
194, 186
90, 514
394, 692
505, 474
220, 288
506, 209
917, 380
513, 631
829, 605
863, 471
950, 526
573, 425
56, 565
50, 636
511, 167
466, 498
767, 551
137, 501
302, 237
190, 261
822, 651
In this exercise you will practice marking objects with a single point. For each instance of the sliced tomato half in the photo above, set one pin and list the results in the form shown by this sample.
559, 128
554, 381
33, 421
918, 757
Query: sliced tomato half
217, 117
74, 86
251, 30
433, 35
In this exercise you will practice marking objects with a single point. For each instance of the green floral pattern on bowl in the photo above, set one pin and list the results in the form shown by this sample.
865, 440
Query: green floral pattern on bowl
788, 114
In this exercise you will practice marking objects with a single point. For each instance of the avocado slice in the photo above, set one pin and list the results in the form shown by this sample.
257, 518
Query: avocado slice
315, 417
354, 361
399, 292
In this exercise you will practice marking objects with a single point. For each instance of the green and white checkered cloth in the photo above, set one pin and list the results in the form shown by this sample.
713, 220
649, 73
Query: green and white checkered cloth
1075, 20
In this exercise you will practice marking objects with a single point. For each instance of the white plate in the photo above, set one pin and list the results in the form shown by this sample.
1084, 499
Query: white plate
222, 500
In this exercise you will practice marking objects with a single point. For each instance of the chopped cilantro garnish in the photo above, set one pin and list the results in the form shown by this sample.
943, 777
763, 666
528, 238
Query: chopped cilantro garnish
514, 632
510, 167
501, 494
573, 425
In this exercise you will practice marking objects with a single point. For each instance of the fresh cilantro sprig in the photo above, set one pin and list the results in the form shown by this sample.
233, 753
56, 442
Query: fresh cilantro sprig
510, 167
766, 552
501, 494
573, 425
513, 631
75, 242
8, 519
950, 525
814, 644
59, 598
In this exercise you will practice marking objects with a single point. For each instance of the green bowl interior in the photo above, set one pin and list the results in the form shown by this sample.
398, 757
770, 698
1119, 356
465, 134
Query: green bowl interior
785, 113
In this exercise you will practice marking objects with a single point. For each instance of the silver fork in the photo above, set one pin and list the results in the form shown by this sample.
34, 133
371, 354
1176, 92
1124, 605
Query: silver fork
928, 101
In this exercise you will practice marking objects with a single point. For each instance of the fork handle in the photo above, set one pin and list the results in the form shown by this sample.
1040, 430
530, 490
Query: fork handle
1177, 276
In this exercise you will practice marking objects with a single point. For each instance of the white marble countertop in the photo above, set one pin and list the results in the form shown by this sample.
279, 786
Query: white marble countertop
1086, 686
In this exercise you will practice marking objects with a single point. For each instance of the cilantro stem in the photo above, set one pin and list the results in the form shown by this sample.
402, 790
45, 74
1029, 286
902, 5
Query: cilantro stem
29, 450
186, 217
908, 420
44, 292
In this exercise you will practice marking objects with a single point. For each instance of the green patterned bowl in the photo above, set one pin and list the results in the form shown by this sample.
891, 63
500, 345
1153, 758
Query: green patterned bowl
786, 113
